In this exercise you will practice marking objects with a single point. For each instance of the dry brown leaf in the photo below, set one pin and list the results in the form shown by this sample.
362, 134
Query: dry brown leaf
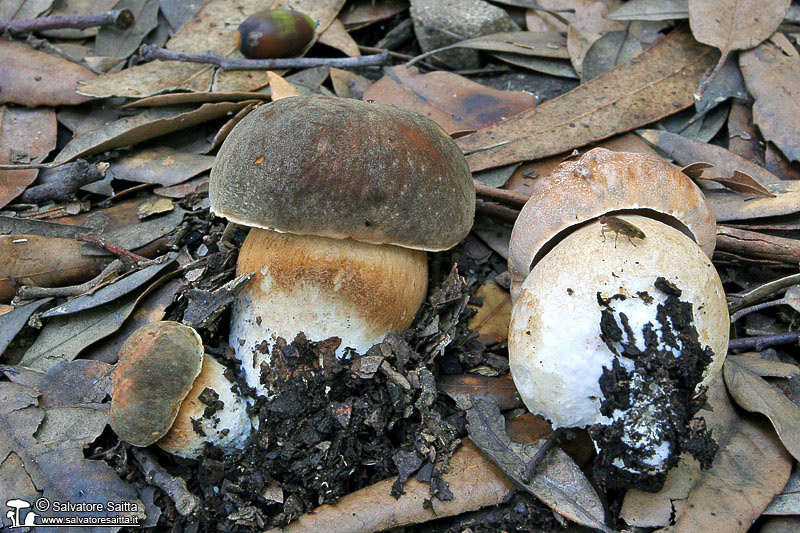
661, 82
23, 9
531, 43
193, 186
161, 165
280, 88
754, 394
651, 10
749, 469
26, 135
474, 480
452, 101
729, 206
33, 78
685, 151
578, 44
732, 24
773, 77
462, 388
743, 139
146, 125
491, 320
588, 15
42, 261
195, 98
741, 182
336, 36
362, 13
348, 84
612, 49
776, 163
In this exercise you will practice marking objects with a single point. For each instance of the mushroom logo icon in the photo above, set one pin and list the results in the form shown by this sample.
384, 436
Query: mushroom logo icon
17, 505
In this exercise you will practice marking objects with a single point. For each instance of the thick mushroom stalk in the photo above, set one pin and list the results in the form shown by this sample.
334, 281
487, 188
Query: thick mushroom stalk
168, 393
325, 288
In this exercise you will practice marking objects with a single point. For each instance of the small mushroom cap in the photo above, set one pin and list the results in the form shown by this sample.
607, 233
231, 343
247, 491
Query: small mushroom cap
556, 353
340, 168
602, 182
157, 365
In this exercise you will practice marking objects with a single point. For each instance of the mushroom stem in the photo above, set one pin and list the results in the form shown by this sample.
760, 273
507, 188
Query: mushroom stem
323, 288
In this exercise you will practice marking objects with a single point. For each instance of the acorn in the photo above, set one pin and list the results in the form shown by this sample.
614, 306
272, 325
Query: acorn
274, 33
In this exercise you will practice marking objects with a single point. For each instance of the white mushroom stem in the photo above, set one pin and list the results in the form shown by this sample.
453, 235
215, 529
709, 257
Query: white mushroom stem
227, 426
323, 288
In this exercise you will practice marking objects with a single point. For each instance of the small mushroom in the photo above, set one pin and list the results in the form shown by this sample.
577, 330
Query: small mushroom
274, 33
621, 314
168, 393
344, 198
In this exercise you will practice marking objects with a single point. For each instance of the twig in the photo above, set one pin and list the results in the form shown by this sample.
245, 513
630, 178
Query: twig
121, 18
496, 210
501, 195
45, 45
759, 343
27, 292
761, 293
541, 453
80, 173
186, 503
755, 244
28, 166
376, 50
150, 51
127, 257
396, 36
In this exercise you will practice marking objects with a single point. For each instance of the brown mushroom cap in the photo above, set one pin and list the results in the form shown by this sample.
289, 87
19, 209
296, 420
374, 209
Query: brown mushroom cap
341, 168
157, 365
602, 182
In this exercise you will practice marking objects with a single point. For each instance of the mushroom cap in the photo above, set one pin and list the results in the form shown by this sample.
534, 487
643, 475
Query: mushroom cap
602, 182
227, 426
341, 168
556, 354
157, 365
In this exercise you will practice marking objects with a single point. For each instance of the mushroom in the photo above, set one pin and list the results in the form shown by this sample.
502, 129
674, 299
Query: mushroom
621, 314
343, 198
168, 393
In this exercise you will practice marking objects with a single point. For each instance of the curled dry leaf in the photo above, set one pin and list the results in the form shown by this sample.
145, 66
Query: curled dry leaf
336, 36
750, 468
661, 82
754, 394
558, 481
280, 88
33, 78
26, 135
772, 75
452, 101
492, 319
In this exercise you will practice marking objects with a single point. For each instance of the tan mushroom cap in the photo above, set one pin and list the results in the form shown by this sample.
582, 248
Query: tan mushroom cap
341, 168
157, 365
602, 182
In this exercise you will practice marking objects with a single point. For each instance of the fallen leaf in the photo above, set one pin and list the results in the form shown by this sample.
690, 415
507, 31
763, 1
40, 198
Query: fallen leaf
112, 291
695, 126
79, 383
337, 37
280, 88
361, 13
26, 135
193, 186
492, 319
765, 367
12, 322
685, 151
661, 82
23, 9
776, 163
496, 236
749, 469
77, 8
730, 206
452, 101
558, 481
588, 15
651, 10
160, 165
754, 394
612, 49
727, 82
730, 25
32, 78
43, 262
205, 306
114, 42
150, 123
496, 177
533, 43
788, 501
348, 84
464, 388
772, 77
160, 100
554, 67
578, 44
741, 182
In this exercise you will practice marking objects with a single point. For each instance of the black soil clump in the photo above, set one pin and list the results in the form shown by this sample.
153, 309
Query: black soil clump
657, 394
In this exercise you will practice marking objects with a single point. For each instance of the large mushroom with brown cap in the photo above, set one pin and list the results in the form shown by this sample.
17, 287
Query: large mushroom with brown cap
343, 198
167, 392
619, 318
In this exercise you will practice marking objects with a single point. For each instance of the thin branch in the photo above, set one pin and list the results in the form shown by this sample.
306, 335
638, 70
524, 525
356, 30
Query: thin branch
759, 343
27, 292
121, 18
514, 198
149, 51
186, 503
28, 166
129, 258
496, 210
541, 453
80, 173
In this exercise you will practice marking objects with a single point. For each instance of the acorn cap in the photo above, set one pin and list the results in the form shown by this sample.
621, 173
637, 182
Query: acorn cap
157, 365
602, 182
341, 168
